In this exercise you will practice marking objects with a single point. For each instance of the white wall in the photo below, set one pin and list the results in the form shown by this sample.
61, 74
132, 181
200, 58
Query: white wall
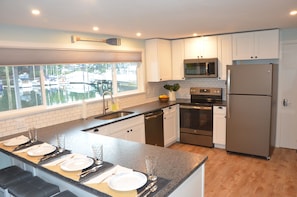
287, 116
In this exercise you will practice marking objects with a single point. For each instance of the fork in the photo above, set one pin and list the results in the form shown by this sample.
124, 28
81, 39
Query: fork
153, 189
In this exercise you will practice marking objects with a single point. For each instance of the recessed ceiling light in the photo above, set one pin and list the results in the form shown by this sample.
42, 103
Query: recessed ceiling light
35, 12
95, 28
195, 34
293, 12
138, 34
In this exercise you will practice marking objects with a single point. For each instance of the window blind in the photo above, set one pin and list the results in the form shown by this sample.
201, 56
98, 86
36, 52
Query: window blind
17, 56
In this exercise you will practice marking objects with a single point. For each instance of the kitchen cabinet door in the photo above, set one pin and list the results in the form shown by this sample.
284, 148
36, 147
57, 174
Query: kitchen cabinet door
170, 125
267, 44
129, 129
256, 45
158, 60
202, 47
219, 126
224, 54
134, 133
177, 56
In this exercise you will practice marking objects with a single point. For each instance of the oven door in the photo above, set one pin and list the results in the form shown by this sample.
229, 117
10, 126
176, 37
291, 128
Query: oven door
196, 124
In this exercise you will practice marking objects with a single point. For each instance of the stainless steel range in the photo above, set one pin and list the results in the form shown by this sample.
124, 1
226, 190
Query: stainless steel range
196, 118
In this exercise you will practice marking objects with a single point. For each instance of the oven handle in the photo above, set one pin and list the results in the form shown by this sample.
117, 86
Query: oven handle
195, 107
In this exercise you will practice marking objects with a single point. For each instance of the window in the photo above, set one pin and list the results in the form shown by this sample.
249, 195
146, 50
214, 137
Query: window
19, 87
57, 84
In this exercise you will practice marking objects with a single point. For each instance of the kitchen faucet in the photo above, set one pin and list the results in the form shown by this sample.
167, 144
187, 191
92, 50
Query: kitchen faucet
106, 107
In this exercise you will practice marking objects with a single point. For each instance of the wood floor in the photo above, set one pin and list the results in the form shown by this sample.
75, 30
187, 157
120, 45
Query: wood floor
229, 175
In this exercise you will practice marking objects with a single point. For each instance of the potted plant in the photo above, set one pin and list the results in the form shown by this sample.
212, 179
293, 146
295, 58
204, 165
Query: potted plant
171, 90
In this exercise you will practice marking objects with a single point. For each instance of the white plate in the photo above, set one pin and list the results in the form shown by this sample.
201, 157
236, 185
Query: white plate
16, 141
127, 181
77, 163
41, 150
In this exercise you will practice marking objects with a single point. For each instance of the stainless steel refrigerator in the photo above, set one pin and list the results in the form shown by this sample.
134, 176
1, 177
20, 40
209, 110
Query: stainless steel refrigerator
251, 109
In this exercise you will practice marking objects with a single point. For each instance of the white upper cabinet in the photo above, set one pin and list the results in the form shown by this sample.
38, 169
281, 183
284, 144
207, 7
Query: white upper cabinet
158, 60
178, 56
202, 47
224, 54
256, 45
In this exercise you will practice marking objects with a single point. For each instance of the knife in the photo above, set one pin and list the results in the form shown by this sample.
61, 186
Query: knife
26, 145
94, 169
49, 156
149, 186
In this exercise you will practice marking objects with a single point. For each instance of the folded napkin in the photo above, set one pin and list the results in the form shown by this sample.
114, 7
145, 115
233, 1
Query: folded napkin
107, 175
63, 158
11, 141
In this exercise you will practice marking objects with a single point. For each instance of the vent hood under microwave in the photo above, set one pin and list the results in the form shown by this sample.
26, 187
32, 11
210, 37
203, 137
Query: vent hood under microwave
201, 68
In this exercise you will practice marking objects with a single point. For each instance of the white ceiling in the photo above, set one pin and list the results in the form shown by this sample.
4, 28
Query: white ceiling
153, 18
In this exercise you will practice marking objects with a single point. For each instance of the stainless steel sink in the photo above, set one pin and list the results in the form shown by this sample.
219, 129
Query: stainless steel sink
114, 115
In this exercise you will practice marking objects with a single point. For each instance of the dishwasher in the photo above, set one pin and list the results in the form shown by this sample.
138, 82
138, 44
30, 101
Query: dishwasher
154, 134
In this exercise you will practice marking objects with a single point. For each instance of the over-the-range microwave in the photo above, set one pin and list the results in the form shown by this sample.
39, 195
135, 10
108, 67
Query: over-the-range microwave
201, 67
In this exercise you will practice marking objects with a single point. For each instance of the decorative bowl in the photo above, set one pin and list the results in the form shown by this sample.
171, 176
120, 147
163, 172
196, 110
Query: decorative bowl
163, 98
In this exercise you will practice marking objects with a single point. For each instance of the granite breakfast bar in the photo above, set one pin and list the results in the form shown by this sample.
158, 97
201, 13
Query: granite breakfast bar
183, 170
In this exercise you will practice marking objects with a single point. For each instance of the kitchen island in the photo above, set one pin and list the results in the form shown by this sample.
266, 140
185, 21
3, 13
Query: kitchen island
185, 171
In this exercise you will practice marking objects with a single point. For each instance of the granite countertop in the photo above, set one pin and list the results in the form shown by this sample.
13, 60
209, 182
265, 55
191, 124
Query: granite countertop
173, 165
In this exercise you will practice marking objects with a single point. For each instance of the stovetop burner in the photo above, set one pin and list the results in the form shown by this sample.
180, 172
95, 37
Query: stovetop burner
205, 95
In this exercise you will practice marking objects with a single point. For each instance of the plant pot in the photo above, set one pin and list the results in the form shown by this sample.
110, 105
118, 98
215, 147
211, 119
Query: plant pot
172, 96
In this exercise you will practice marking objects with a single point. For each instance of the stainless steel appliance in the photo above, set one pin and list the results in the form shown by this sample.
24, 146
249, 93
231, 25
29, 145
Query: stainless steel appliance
251, 109
203, 68
154, 134
196, 118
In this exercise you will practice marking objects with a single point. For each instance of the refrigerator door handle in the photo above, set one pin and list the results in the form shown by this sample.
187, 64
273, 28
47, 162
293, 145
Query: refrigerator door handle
228, 107
228, 92
228, 80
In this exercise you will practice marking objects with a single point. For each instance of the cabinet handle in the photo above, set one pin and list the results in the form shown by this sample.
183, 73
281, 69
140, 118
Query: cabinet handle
96, 130
285, 102
256, 57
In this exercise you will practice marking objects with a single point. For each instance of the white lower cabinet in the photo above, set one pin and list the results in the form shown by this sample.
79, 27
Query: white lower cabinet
130, 129
219, 126
171, 126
